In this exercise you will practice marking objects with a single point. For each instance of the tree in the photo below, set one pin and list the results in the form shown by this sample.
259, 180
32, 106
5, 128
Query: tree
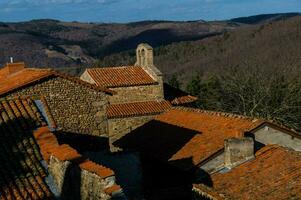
174, 81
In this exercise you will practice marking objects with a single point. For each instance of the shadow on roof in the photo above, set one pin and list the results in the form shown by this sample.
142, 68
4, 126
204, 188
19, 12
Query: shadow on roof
160, 141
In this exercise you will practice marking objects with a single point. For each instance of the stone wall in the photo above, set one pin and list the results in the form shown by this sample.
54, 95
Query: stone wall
75, 183
119, 127
268, 135
136, 94
75, 108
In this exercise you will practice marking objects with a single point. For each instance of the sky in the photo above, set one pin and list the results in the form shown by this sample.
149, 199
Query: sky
138, 10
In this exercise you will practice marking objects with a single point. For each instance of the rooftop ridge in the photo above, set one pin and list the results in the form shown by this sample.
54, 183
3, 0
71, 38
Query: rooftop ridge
218, 113
237, 116
120, 66
44, 73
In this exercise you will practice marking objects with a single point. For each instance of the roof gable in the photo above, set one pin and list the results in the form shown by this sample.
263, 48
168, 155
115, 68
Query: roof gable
25, 76
120, 76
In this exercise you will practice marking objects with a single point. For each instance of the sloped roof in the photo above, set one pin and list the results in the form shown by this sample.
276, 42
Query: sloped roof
185, 138
176, 96
137, 109
274, 174
120, 76
21, 172
20, 77
26, 141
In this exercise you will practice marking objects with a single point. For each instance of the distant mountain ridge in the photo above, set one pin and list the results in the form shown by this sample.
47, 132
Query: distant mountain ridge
52, 43
264, 18
271, 45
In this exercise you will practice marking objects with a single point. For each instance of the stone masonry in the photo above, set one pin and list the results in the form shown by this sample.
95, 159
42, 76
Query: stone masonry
75, 108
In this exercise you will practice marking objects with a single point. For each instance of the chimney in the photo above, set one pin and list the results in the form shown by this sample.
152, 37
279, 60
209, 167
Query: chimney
14, 67
238, 151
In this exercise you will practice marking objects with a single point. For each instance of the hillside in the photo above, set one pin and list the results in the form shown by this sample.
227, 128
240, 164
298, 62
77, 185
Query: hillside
271, 45
52, 43
45, 43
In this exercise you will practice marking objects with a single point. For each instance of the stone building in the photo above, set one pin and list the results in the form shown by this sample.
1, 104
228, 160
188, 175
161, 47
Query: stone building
139, 93
194, 145
77, 107
35, 165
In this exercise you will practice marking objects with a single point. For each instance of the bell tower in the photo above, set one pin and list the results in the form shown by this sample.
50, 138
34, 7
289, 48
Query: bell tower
144, 55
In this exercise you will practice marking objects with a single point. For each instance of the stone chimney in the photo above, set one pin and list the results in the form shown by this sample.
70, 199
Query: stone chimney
14, 67
238, 151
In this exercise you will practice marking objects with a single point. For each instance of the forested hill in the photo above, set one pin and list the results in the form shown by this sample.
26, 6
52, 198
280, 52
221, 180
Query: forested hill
52, 43
270, 45
254, 70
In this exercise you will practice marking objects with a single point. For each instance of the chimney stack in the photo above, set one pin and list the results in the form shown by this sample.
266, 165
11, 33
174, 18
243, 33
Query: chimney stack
14, 67
238, 151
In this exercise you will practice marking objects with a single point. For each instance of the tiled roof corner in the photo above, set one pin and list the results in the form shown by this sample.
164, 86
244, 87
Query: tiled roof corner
113, 189
184, 100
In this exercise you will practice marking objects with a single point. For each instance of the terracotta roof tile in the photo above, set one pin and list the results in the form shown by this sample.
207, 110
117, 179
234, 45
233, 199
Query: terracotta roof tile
114, 188
176, 96
100, 170
137, 109
25, 76
184, 100
21, 172
185, 138
274, 174
120, 76
50, 147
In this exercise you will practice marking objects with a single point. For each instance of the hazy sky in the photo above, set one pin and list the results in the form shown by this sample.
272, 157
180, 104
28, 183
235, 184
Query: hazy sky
137, 10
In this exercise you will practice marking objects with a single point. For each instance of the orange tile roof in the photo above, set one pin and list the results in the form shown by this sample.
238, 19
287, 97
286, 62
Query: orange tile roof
21, 172
49, 145
24, 76
176, 96
184, 100
120, 76
25, 141
274, 174
185, 138
137, 109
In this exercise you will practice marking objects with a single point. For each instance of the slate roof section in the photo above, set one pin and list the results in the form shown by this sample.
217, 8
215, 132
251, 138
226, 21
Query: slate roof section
124, 76
274, 174
137, 109
21, 172
11, 80
186, 138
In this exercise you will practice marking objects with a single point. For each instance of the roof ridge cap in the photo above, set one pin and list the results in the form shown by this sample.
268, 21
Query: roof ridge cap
217, 113
111, 67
